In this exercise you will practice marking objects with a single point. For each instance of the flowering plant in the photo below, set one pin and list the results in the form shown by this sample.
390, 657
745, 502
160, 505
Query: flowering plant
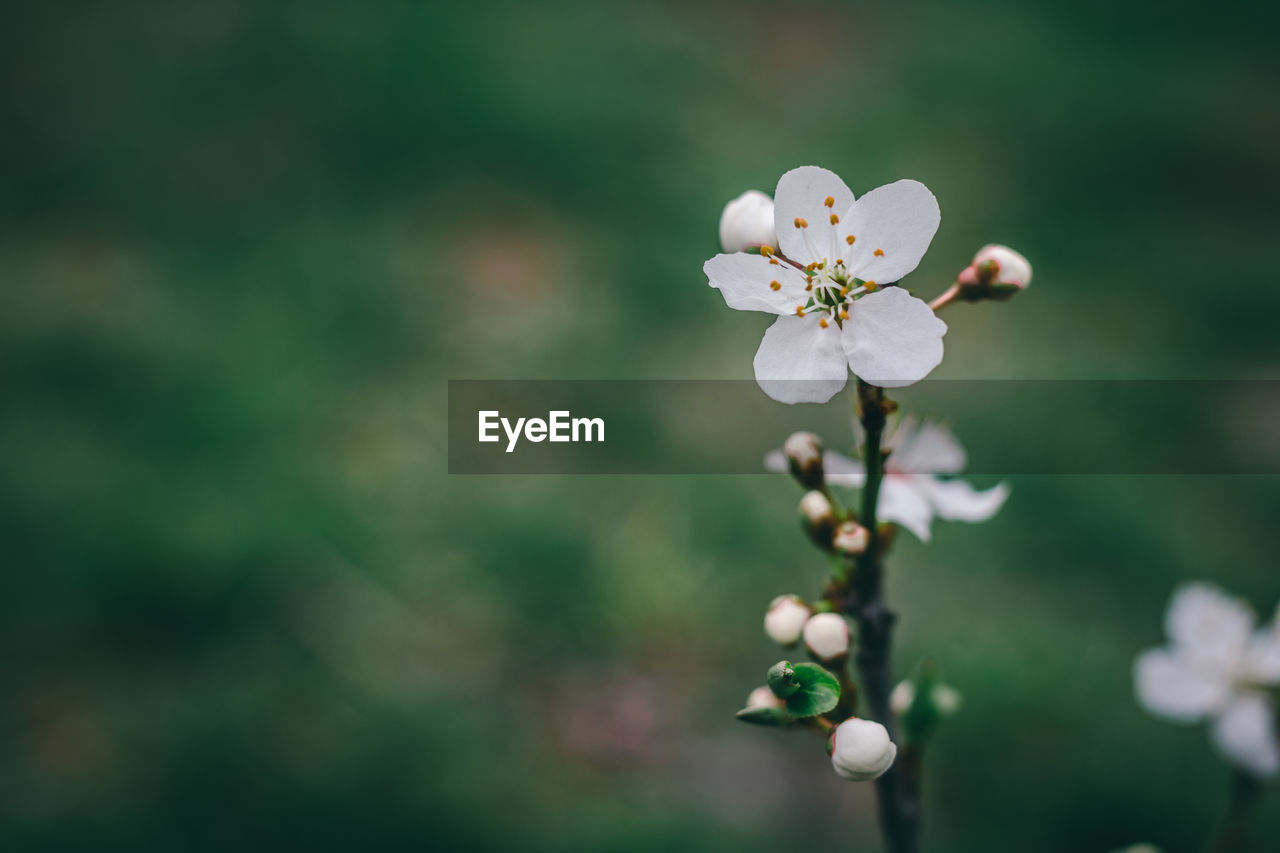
830, 267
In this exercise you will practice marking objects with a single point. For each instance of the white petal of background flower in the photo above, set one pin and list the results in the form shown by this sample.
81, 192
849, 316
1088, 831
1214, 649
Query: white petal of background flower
892, 227
842, 471
801, 362
928, 449
956, 500
1262, 657
802, 194
745, 282
892, 338
1168, 687
902, 502
1246, 734
1209, 627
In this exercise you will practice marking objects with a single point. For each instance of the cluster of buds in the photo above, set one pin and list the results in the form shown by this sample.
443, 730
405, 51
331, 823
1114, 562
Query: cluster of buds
996, 272
826, 635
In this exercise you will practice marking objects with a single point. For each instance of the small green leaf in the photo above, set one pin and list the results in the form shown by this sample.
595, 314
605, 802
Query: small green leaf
818, 693
765, 716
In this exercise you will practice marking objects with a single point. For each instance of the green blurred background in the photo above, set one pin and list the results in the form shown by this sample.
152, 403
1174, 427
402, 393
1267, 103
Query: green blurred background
242, 247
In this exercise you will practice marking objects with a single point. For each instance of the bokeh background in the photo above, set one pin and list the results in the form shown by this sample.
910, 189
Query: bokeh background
244, 245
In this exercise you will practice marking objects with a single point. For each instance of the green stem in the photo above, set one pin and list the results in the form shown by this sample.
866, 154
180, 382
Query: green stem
1233, 836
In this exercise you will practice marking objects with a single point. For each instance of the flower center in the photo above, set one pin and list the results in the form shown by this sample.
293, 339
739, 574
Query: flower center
831, 290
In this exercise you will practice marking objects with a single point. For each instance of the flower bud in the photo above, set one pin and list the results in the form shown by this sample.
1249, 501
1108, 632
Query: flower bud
785, 619
902, 697
804, 457
818, 518
997, 272
782, 679
860, 749
748, 221
762, 697
850, 538
826, 636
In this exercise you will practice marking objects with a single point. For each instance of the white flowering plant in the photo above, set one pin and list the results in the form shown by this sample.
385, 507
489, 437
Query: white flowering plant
830, 267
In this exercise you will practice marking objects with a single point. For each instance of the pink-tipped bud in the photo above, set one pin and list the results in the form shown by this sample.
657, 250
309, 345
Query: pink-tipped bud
785, 619
804, 458
851, 538
826, 636
997, 272
747, 222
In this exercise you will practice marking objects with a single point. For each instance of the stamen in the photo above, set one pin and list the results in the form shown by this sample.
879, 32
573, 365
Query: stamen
811, 266
773, 261
799, 310
879, 253
776, 285
767, 251
823, 322
844, 315
801, 223
839, 261
871, 286
834, 219
830, 202
848, 240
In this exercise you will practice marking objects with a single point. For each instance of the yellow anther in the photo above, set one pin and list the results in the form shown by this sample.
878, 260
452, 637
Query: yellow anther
839, 261
801, 223
850, 239
767, 251
870, 286
776, 285
811, 266
809, 286
834, 219
844, 291
823, 322
830, 202
773, 261
844, 315
879, 253
799, 310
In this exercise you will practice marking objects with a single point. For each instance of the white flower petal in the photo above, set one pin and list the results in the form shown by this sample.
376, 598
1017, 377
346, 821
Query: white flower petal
746, 283
840, 470
1167, 686
801, 362
892, 227
802, 195
901, 502
1262, 657
1246, 734
931, 449
1209, 627
956, 500
892, 338
747, 221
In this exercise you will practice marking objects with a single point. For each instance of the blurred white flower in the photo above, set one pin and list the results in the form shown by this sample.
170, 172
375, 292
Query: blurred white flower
826, 636
827, 286
785, 619
912, 493
747, 221
762, 697
1216, 667
946, 699
861, 750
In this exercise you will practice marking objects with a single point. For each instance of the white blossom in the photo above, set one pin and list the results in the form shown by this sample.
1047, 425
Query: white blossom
916, 488
826, 636
747, 221
827, 284
861, 750
785, 619
1216, 667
